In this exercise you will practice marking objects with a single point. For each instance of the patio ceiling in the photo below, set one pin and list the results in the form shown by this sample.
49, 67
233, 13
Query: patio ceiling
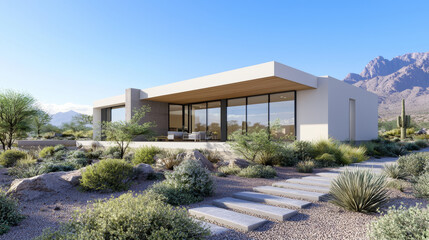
239, 89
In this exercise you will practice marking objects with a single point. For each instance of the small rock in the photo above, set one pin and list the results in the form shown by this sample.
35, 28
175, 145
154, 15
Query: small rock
142, 171
73, 177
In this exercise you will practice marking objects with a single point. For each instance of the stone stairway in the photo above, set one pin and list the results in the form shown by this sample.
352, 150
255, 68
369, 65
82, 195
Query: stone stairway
246, 211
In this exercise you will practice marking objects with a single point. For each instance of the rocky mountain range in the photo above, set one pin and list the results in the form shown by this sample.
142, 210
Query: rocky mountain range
60, 118
403, 77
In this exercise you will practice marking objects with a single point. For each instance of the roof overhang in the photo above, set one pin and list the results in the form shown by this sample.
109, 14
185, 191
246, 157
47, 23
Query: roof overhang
254, 80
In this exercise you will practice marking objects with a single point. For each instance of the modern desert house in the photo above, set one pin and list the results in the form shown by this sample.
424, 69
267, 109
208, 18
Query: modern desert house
211, 108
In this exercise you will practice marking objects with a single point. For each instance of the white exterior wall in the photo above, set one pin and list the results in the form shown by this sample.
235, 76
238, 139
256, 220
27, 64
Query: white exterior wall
339, 113
312, 113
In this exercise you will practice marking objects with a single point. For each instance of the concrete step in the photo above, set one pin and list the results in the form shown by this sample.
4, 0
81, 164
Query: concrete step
228, 218
214, 229
318, 178
331, 175
272, 200
292, 193
272, 212
300, 186
311, 182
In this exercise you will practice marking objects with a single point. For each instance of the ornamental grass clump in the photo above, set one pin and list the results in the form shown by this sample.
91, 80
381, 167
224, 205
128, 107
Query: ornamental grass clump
401, 223
10, 214
359, 191
393, 171
107, 175
305, 166
129, 217
258, 171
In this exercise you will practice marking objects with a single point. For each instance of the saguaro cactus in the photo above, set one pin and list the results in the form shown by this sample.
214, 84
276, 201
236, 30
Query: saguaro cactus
403, 121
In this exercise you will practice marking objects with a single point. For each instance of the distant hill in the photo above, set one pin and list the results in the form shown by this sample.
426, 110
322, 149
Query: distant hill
405, 76
63, 117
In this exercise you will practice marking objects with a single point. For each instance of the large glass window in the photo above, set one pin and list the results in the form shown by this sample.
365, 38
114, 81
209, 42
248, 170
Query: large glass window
175, 117
198, 117
236, 115
257, 113
118, 114
213, 120
282, 115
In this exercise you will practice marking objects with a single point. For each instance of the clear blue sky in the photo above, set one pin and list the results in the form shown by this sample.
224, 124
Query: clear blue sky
80, 51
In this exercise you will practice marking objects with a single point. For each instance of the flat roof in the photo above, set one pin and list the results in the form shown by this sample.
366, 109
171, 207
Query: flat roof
253, 80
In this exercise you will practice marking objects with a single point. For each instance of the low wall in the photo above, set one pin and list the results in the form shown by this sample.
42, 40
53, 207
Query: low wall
218, 146
45, 143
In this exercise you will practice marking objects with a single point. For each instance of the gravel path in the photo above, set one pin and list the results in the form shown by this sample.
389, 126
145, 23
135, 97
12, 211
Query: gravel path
321, 221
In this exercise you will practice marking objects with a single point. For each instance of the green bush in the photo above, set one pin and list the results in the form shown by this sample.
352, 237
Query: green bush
413, 164
229, 170
329, 148
258, 171
421, 143
359, 190
130, 217
96, 154
10, 214
46, 152
352, 154
285, 157
305, 166
303, 150
48, 167
326, 160
59, 147
188, 183
393, 171
146, 155
401, 223
412, 147
9, 157
112, 152
421, 186
109, 174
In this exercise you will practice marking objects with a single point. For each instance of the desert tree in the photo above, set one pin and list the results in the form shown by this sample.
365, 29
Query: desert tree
40, 120
16, 113
123, 132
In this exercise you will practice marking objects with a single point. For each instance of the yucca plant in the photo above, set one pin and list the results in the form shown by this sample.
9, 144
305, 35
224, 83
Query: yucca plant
393, 171
359, 191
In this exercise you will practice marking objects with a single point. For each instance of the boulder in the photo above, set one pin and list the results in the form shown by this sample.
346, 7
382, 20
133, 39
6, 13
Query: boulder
237, 162
73, 177
27, 189
142, 171
196, 155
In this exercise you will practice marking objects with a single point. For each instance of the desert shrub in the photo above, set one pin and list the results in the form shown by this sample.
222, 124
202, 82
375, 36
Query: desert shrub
305, 166
413, 164
411, 146
188, 183
421, 186
329, 146
59, 147
229, 170
146, 155
303, 150
95, 154
395, 184
285, 157
395, 150
393, 171
46, 152
112, 152
10, 215
47, 167
212, 156
170, 158
109, 174
326, 160
401, 223
25, 171
359, 190
258, 171
129, 217
421, 143
9, 157
352, 154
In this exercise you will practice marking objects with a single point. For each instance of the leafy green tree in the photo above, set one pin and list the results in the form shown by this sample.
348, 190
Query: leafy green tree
16, 113
78, 123
123, 132
40, 120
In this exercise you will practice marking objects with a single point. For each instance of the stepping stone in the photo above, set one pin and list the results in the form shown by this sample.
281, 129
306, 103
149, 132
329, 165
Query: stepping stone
228, 218
301, 187
276, 213
331, 175
292, 193
214, 229
318, 178
311, 182
272, 200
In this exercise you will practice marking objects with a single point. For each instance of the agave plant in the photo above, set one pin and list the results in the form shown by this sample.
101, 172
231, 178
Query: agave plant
359, 191
393, 171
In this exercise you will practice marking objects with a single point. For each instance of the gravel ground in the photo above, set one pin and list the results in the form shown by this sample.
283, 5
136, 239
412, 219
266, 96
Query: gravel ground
321, 221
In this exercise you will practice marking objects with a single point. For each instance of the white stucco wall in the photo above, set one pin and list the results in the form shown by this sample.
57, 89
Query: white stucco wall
339, 118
